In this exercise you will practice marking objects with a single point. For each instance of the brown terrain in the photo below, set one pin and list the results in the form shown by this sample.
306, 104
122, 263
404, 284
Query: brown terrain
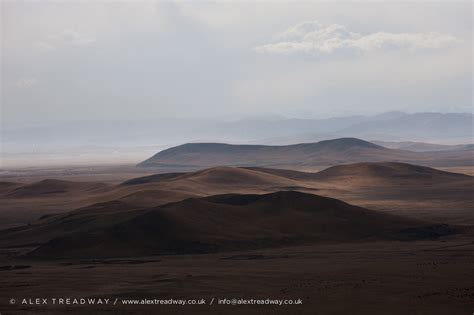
372, 238
415, 191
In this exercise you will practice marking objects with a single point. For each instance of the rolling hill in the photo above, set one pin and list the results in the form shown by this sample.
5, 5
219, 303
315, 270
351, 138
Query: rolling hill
324, 153
216, 223
411, 190
388, 171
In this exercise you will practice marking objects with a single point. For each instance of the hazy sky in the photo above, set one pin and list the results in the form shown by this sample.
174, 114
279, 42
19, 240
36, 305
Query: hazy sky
132, 60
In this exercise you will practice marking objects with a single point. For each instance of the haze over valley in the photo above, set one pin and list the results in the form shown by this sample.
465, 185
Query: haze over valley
128, 142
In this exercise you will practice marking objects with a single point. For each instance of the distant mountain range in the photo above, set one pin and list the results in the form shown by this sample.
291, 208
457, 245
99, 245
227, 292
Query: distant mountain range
422, 146
454, 128
323, 153
390, 126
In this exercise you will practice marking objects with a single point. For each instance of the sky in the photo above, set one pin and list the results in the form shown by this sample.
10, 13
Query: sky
64, 61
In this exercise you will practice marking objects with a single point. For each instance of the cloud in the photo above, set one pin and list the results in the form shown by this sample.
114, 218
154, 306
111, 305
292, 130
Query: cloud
311, 37
44, 46
73, 38
25, 83
64, 38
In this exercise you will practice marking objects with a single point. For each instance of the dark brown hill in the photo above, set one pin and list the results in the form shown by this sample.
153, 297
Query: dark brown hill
225, 222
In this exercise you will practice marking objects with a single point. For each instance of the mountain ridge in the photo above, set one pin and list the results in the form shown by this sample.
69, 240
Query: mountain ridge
322, 153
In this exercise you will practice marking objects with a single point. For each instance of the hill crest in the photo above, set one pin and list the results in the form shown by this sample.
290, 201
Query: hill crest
227, 222
201, 155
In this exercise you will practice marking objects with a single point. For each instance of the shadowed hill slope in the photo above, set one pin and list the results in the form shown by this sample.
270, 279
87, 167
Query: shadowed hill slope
152, 179
221, 223
412, 191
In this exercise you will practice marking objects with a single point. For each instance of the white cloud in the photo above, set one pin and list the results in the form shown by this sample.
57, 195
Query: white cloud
69, 37
44, 46
64, 38
313, 38
25, 83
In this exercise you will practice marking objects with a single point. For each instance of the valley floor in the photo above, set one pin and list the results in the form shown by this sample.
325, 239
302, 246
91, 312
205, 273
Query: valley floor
428, 277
